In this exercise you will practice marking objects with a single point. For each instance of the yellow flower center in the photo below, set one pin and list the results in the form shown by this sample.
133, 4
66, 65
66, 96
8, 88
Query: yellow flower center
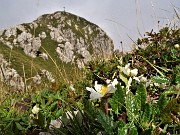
103, 89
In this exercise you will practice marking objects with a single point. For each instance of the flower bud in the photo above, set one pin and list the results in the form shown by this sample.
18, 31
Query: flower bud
176, 46
35, 110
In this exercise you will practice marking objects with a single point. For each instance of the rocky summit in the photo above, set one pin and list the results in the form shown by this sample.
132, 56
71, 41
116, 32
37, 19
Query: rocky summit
51, 43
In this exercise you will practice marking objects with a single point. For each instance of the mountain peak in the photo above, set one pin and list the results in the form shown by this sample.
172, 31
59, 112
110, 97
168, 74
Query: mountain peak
63, 37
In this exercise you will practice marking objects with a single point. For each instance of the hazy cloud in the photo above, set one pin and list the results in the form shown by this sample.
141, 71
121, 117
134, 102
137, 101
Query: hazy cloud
118, 18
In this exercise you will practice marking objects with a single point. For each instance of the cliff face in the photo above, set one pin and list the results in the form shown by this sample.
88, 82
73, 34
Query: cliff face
62, 37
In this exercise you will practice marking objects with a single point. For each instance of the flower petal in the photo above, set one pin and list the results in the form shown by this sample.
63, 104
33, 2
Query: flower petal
137, 79
55, 123
127, 66
115, 82
126, 70
108, 81
35, 110
94, 94
111, 89
134, 72
97, 87
89, 89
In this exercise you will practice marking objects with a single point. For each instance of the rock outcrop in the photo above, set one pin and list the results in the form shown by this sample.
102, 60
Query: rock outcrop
9, 75
69, 38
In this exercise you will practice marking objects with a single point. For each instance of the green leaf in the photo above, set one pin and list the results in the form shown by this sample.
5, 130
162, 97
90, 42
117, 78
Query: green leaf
41, 120
178, 79
124, 79
106, 122
164, 69
59, 112
160, 79
146, 115
9, 125
141, 95
166, 113
53, 106
43, 105
162, 102
118, 99
131, 108
19, 126
171, 90
128, 129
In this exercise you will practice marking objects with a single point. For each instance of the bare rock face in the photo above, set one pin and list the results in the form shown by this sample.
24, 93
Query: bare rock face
10, 75
67, 37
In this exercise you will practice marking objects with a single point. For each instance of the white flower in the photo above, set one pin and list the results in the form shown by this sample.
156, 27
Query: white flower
35, 110
115, 82
137, 79
65, 119
176, 46
55, 123
72, 88
134, 72
101, 90
143, 79
140, 78
108, 81
126, 70
148, 83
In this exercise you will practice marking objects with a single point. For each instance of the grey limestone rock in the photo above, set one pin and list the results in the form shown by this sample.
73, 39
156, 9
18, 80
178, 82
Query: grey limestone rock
67, 37
10, 75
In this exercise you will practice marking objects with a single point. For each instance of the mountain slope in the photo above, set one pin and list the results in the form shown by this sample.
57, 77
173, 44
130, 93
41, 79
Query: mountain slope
51, 46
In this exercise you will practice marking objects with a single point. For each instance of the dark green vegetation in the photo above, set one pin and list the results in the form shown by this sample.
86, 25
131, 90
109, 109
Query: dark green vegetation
149, 107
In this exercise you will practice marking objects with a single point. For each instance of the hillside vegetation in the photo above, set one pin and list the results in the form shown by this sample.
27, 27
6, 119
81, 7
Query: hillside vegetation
136, 93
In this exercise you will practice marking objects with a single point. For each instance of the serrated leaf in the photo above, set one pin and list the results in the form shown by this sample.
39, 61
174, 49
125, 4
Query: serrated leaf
128, 129
118, 99
162, 102
141, 95
171, 90
160, 79
131, 108
146, 115
106, 122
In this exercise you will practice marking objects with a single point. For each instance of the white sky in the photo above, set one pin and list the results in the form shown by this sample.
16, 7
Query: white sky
118, 18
